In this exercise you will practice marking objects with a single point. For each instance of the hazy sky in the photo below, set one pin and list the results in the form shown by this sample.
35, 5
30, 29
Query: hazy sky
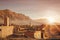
33, 8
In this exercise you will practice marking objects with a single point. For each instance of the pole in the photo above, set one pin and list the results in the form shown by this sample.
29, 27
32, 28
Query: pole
42, 32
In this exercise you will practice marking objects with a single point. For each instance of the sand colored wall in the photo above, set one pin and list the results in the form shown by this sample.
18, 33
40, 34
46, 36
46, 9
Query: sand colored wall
6, 31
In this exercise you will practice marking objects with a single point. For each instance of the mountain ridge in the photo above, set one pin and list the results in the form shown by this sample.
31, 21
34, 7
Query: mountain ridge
13, 15
14, 18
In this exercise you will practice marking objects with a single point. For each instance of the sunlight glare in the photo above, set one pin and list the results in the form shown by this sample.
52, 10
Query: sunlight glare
50, 20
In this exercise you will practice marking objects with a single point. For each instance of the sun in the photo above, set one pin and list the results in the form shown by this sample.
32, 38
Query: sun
50, 20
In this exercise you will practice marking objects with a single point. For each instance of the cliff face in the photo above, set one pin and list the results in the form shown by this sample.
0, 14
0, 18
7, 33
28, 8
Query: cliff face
13, 16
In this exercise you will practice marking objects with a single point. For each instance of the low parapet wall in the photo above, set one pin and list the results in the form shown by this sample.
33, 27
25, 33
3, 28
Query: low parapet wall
6, 31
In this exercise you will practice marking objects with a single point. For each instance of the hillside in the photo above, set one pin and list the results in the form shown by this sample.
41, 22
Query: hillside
14, 17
